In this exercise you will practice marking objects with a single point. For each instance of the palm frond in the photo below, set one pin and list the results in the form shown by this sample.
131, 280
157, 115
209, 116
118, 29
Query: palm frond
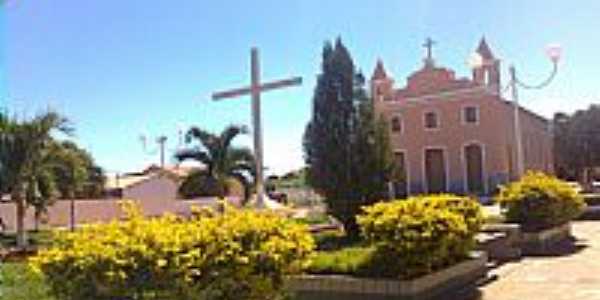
53, 121
240, 154
205, 138
230, 133
217, 153
193, 154
241, 159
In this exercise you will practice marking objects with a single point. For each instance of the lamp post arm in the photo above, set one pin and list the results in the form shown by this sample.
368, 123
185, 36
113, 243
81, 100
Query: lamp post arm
543, 83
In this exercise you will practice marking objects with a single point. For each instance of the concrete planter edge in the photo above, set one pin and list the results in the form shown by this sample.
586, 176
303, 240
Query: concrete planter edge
424, 287
540, 242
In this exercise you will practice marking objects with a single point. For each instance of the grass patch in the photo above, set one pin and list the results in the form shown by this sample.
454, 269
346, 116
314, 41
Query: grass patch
17, 282
339, 254
314, 219
347, 261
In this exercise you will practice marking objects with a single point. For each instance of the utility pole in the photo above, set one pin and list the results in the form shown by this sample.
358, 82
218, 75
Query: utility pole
517, 121
161, 141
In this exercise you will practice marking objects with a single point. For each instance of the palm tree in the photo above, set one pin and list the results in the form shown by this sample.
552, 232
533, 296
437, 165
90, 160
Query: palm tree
25, 147
41, 192
70, 173
223, 161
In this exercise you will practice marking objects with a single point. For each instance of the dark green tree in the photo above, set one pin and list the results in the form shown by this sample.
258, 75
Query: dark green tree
373, 160
346, 146
577, 144
77, 175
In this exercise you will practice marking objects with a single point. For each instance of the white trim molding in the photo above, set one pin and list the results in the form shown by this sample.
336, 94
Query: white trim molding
445, 94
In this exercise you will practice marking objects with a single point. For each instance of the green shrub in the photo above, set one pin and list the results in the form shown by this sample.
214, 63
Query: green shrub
17, 282
234, 255
419, 235
539, 201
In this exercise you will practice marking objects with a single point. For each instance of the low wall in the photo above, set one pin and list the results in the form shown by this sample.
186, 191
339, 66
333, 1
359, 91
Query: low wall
536, 243
339, 287
97, 210
501, 241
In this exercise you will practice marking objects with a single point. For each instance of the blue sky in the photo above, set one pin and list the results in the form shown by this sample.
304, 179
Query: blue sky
121, 68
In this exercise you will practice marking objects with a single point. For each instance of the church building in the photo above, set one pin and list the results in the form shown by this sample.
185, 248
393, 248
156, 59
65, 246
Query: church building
454, 134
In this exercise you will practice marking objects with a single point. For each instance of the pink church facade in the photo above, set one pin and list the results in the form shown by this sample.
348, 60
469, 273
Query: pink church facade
454, 134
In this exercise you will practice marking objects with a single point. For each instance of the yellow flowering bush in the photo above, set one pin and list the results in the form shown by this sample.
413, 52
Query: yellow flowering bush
237, 254
539, 201
419, 235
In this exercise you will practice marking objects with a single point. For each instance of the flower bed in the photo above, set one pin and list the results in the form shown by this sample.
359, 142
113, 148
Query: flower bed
239, 254
543, 206
415, 248
430, 286
419, 235
538, 202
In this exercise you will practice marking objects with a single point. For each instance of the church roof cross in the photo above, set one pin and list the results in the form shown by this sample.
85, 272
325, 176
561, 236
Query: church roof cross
428, 45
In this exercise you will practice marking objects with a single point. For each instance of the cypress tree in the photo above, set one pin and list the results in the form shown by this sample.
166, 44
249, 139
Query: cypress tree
346, 146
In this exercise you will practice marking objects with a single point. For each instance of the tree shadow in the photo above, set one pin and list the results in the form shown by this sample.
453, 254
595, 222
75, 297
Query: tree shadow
590, 215
471, 294
565, 247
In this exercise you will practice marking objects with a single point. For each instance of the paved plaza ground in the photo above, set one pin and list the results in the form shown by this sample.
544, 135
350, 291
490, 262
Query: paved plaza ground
571, 272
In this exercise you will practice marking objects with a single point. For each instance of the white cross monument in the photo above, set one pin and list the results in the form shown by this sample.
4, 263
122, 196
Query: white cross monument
255, 89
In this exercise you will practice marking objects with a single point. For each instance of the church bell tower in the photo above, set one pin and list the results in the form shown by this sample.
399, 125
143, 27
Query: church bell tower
488, 74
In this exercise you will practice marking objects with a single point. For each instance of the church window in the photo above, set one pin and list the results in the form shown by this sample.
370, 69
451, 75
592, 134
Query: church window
431, 120
470, 115
396, 124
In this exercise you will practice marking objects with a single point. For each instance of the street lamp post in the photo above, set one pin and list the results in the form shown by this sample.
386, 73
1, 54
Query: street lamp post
517, 121
554, 52
161, 142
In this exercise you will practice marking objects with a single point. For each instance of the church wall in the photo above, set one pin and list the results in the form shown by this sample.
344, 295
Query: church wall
436, 89
452, 136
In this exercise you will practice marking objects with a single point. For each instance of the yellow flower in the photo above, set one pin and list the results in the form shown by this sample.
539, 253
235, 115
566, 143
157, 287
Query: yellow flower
232, 247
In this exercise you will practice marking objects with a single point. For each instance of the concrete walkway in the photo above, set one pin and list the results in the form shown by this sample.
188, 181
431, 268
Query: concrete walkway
571, 272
